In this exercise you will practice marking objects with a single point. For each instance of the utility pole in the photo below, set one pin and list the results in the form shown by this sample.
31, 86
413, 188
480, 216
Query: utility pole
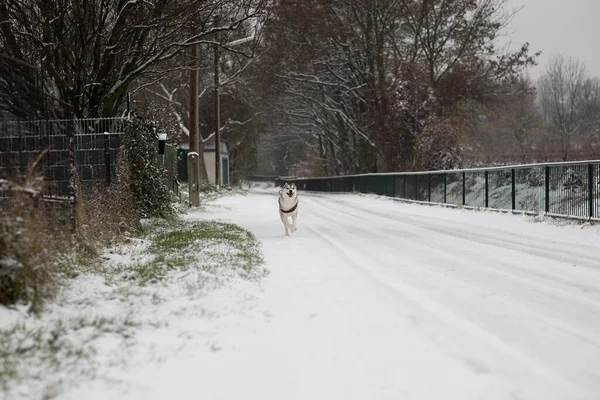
217, 110
194, 121
193, 156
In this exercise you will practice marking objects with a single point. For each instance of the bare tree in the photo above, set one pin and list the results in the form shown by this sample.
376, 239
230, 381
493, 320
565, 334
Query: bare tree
167, 100
561, 89
518, 114
379, 83
590, 107
81, 57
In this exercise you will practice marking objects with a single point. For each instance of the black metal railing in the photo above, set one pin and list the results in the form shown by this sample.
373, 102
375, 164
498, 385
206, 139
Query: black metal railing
569, 189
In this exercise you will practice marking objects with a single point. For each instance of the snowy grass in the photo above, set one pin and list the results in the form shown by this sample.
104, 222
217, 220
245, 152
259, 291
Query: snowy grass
32, 352
143, 284
184, 244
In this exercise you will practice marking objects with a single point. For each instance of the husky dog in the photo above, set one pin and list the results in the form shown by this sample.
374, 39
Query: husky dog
288, 207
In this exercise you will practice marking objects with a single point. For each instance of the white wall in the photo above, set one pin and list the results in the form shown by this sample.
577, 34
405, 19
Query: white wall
209, 161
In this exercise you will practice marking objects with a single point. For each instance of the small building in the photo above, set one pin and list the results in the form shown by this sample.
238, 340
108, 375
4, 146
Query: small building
209, 162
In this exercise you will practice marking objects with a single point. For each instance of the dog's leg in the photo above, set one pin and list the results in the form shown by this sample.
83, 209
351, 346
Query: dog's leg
294, 216
289, 224
284, 220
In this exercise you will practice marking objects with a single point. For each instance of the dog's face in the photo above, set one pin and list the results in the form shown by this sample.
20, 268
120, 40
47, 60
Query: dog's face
289, 190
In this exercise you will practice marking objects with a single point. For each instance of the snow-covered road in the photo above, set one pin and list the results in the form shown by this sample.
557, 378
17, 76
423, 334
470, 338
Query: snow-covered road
370, 299
375, 299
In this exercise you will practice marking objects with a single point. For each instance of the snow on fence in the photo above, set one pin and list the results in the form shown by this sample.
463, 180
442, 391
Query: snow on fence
565, 189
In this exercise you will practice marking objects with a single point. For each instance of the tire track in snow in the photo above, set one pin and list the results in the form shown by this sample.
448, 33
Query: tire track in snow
548, 289
588, 282
587, 257
441, 313
328, 217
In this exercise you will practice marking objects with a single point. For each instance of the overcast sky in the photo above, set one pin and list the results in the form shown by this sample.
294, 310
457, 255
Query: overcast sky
570, 27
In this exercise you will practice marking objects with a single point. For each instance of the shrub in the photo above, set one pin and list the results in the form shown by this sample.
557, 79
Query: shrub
103, 212
26, 249
148, 179
38, 246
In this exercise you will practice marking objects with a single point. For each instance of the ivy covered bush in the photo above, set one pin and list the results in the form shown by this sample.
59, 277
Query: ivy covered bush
148, 179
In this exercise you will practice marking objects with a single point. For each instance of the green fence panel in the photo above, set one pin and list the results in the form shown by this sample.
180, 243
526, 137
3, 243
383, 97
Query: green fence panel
422, 187
570, 189
410, 187
390, 185
499, 189
475, 189
379, 184
437, 188
399, 180
182, 170
360, 185
337, 185
529, 189
596, 190
352, 184
454, 188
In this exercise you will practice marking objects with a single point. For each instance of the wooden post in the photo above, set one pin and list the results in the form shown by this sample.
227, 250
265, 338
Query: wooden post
194, 120
217, 112
194, 99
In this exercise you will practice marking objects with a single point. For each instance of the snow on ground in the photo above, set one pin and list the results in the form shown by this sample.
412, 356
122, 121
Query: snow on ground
107, 325
371, 299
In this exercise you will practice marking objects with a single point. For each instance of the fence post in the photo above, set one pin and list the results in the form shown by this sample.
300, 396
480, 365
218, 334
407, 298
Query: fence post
445, 188
513, 184
487, 190
404, 184
464, 187
107, 158
547, 188
591, 189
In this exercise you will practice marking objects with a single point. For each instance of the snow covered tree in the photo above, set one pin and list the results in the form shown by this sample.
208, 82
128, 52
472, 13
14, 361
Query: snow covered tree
342, 63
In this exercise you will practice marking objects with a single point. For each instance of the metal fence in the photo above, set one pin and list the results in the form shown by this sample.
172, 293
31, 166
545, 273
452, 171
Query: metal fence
562, 189
96, 142
170, 163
